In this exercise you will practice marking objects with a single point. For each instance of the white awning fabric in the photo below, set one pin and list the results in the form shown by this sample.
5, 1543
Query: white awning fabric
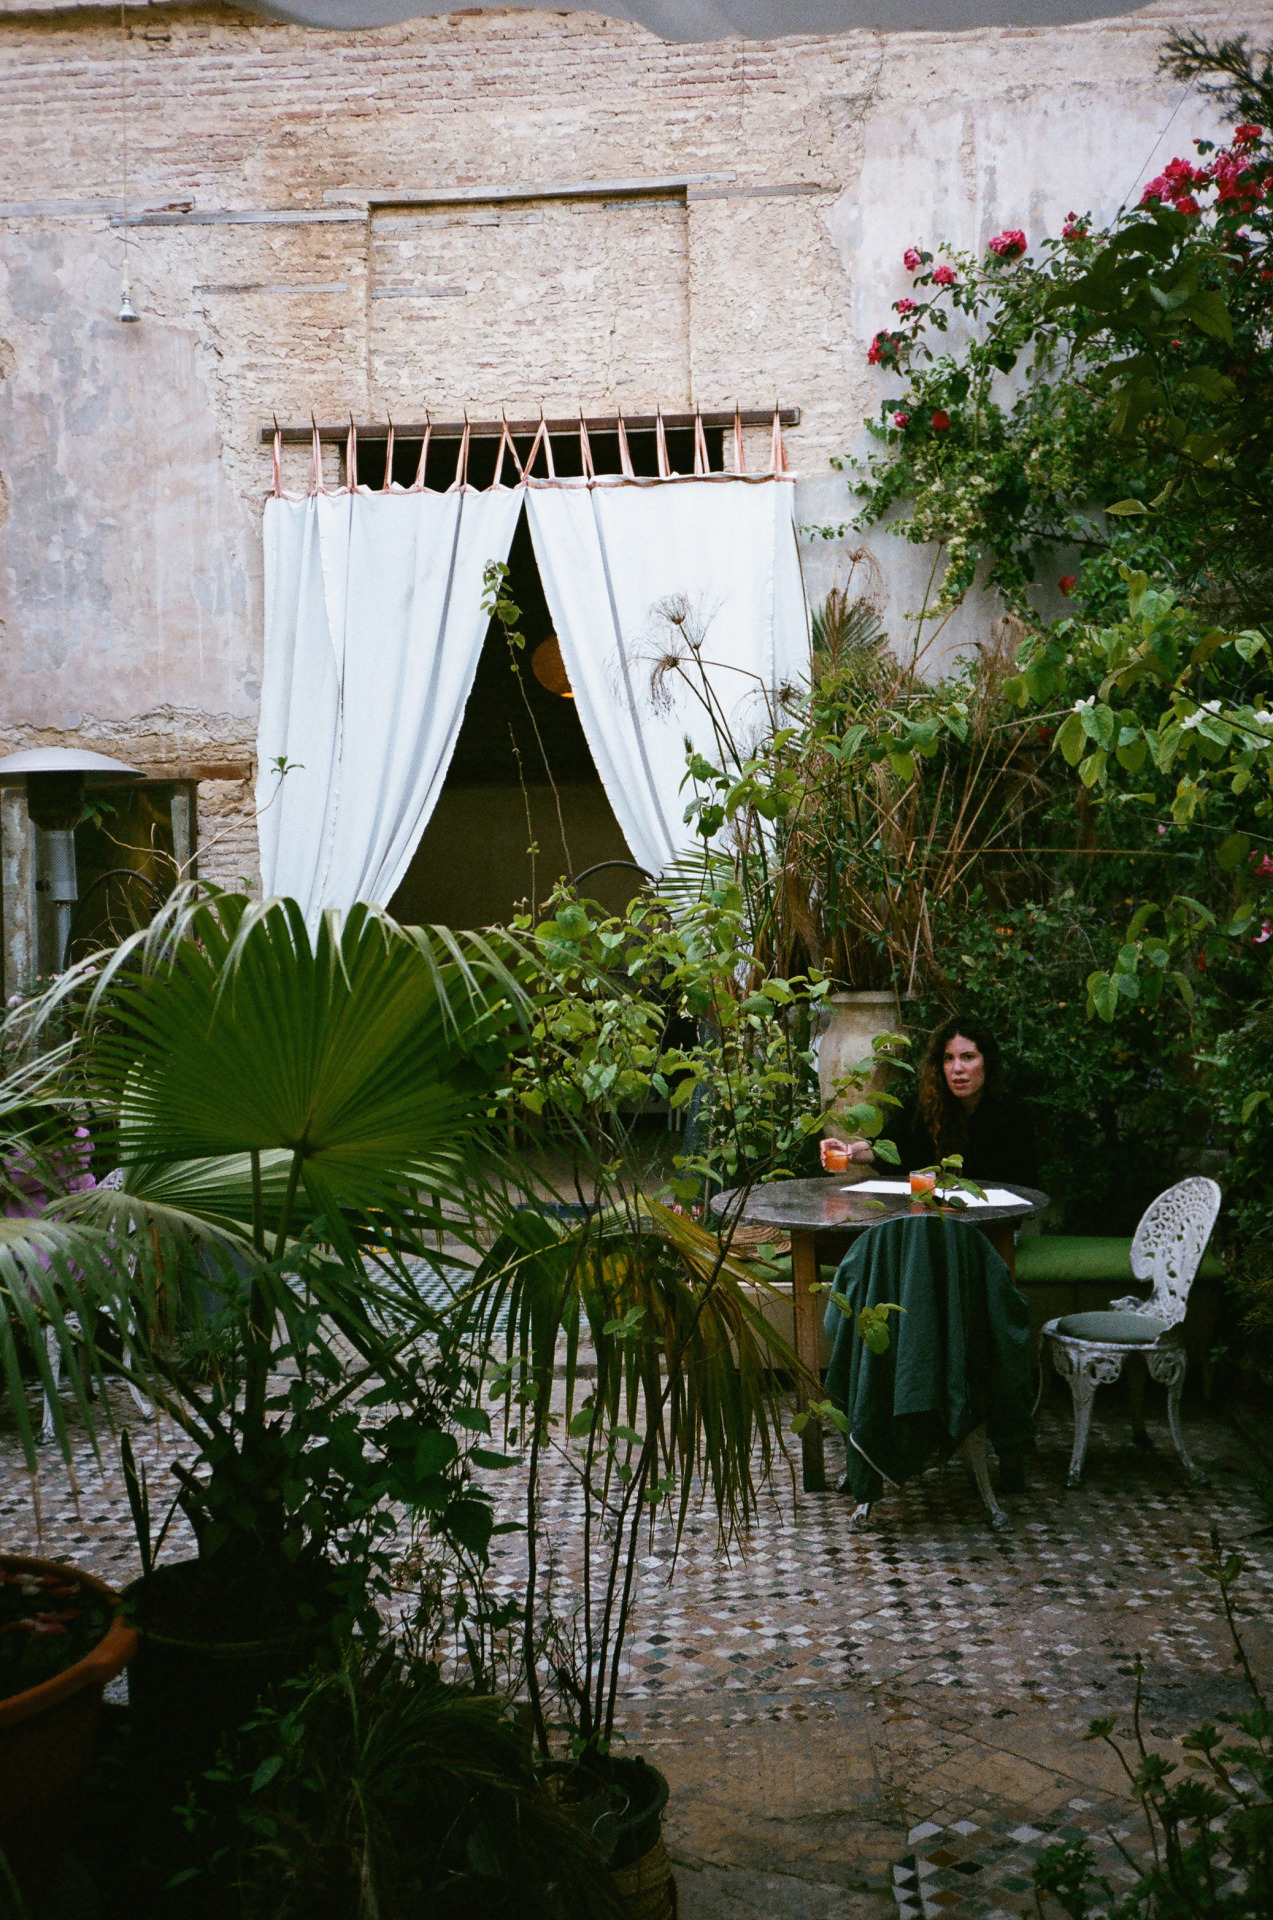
697, 20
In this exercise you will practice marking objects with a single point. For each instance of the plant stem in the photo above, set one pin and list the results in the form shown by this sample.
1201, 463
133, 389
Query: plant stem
258, 1204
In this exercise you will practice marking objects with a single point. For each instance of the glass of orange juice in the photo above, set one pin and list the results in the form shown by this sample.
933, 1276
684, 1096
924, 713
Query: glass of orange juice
835, 1156
923, 1182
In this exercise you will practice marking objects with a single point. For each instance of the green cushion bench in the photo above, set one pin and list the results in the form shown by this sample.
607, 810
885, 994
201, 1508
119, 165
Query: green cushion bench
1093, 1257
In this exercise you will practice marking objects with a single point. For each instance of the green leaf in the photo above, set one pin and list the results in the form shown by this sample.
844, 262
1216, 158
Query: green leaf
1251, 1102
269, 1767
1071, 738
583, 1423
1209, 312
1102, 995
1233, 851
1125, 508
1186, 989
1211, 384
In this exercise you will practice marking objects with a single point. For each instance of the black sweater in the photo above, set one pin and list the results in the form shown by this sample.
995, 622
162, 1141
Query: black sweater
1000, 1143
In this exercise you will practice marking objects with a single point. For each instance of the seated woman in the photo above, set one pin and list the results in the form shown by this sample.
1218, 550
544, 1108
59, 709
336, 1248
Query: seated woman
962, 1106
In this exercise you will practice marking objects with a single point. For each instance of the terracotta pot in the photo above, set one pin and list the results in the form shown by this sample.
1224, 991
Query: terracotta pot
46, 1739
856, 1020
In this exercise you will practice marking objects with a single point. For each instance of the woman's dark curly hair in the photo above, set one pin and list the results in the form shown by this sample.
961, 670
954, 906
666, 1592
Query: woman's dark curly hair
943, 1117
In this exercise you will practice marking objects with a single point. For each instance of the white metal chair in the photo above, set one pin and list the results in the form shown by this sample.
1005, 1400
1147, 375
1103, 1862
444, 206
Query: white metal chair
1088, 1349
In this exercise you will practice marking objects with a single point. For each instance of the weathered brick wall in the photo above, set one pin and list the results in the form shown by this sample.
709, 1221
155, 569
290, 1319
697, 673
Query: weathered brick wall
131, 470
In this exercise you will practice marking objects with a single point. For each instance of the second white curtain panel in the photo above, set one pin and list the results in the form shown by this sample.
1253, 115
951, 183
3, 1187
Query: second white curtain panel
621, 565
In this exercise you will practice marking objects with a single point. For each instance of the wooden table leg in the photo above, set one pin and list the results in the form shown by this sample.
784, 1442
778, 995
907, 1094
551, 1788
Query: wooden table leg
1002, 1236
808, 1309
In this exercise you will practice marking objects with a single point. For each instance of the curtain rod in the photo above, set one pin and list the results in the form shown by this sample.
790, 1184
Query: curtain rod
492, 429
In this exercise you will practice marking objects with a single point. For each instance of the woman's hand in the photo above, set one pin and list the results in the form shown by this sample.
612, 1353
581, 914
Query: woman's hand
862, 1150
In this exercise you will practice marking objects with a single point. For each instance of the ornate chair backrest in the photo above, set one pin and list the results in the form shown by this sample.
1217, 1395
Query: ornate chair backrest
1170, 1242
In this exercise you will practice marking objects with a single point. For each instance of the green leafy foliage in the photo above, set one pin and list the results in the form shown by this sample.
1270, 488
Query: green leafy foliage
379, 1788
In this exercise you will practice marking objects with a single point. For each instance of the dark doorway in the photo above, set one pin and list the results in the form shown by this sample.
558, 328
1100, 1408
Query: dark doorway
521, 776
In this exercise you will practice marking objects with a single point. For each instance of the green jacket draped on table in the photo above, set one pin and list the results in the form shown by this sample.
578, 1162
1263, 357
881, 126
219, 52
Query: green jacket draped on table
957, 1358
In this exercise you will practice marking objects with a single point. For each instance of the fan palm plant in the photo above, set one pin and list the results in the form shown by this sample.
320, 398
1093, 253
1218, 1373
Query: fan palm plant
281, 1108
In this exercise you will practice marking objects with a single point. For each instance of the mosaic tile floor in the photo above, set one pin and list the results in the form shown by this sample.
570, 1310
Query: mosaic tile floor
969, 1662
929, 1598
984, 1867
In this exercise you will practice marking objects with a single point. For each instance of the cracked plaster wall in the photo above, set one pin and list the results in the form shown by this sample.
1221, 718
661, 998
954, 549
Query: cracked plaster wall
131, 470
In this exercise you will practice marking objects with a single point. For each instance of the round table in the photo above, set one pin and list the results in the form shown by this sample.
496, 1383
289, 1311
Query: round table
822, 1218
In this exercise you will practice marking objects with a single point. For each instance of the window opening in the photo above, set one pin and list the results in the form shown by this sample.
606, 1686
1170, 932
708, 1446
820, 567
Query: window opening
439, 471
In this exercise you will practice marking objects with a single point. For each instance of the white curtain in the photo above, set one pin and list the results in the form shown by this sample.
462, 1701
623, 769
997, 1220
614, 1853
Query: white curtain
373, 629
617, 561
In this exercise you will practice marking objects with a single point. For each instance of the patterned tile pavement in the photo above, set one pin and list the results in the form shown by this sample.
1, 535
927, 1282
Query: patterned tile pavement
968, 1662
984, 1868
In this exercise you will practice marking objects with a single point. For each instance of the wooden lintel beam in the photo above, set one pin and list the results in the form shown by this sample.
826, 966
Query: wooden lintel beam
525, 429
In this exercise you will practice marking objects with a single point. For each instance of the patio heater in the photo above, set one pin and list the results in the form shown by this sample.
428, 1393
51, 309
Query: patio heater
55, 779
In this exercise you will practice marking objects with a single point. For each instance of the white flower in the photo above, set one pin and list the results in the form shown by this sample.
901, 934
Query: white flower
1081, 705
1207, 707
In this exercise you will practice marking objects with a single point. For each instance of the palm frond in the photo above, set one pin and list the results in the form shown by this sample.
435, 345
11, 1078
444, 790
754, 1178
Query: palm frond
698, 1360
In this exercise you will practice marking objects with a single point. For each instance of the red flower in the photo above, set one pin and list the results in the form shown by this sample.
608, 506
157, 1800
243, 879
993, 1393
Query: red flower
912, 260
1074, 228
907, 306
901, 419
941, 421
1067, 583
1246, 136
1009, 245
1174, 185
875, 357
1202, 963
945, 277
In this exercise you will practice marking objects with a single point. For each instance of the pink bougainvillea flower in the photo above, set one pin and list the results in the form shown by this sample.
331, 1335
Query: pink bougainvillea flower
1161, 831
1265, 933
1264, 871
1067, 583
912, 260
1008, 245
874, 355
941, 420
901, 419
945, 277
1246, 135
1187, 204
907, 306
